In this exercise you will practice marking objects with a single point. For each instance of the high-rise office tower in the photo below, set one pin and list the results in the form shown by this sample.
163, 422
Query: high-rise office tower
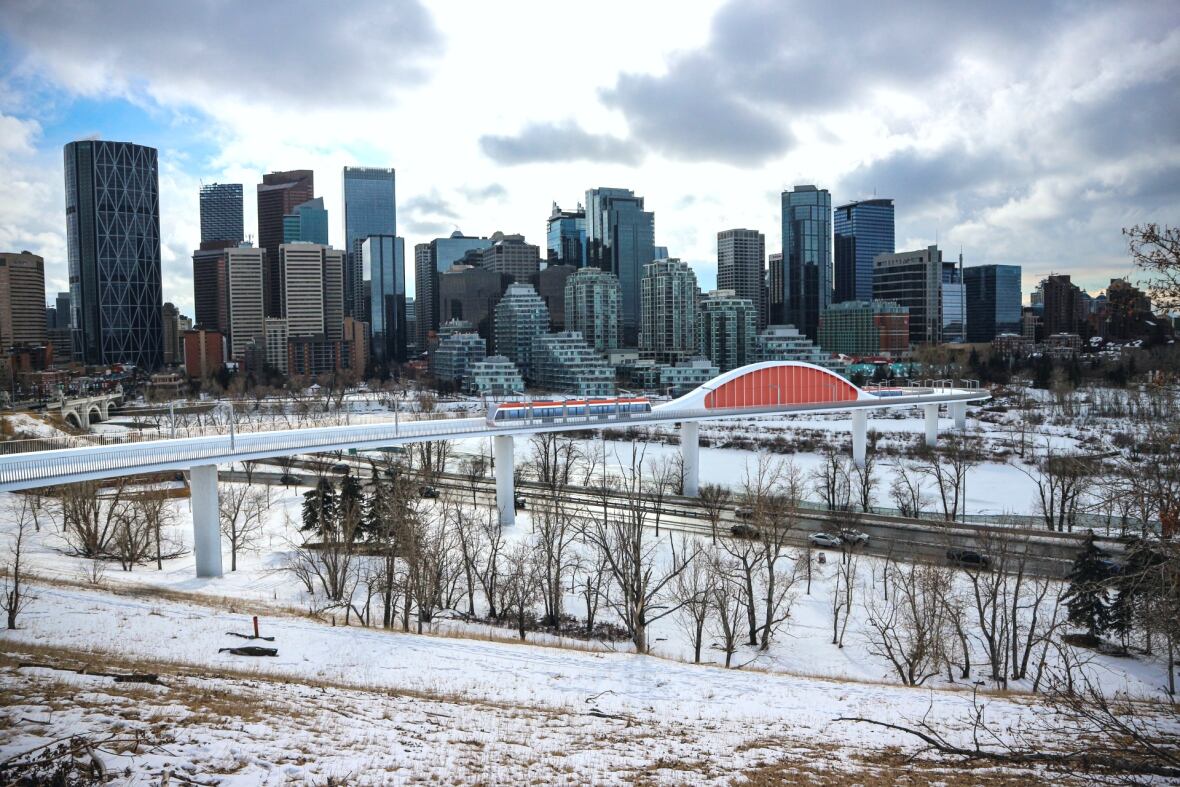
170, 317
741, 267
435, 258
245, 271
63, 311
862, 231
592, 304
313, 290
670, 295
726, 329
511, 255
210, 290
468, 293
278, 195
1062, 302
954, 302
221, 213
620, 239
520, 317
805, 282
914, 279
307, 223
566, 236
993, 301
383, 264
22, 300
113, 235
370, 208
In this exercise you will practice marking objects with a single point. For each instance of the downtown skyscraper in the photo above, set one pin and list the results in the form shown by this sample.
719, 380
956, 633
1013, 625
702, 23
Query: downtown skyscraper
804, 285
862, 231
383, 257
113, 240
370, 208
741, 267
620, 239
279, 194
221, 214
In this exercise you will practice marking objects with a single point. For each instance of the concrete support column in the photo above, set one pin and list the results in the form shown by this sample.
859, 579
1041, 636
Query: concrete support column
206, 520
959, 413
931, 425
502, 454
690, 455
860, 432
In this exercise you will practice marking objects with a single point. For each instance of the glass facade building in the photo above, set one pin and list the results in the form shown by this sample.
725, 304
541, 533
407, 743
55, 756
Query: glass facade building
862, 231
805, 284
370, 208
308, 223
993, 301
566, 236
221, 213
383, 264
113, 240
620, 239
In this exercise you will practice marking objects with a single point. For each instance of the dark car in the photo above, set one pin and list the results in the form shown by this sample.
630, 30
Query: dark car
968, 558
289, 480
745, 531
744, 513
519, 503
340, 467
427, 491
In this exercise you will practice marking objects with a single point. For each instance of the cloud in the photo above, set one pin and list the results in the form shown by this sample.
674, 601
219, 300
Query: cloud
303, 52
485, 193
553, 142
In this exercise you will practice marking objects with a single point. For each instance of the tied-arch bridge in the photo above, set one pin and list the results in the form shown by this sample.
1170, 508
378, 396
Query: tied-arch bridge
761, 389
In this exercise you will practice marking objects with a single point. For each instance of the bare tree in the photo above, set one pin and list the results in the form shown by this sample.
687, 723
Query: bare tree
242, 510
474, 470
906, 490
1155, 250
947, 467
728, 604
554, 459
91, 516
843, 591
14, 595
556, 533
831, 479
662, 479
591, 581
910, 628
864, 475
520, 587
1061, 481
693, 590
714, 500
774, 490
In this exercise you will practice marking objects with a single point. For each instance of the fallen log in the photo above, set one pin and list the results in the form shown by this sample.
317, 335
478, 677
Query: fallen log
250, 650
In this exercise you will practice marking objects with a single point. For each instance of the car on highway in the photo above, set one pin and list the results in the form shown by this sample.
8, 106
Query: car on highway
340, 467
854, 537
829, 540
968, 558
519, 503
745, 531
744, 513
289, 480
427, 491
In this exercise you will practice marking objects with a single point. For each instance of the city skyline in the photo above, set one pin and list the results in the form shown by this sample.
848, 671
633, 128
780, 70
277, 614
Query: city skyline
1014, 168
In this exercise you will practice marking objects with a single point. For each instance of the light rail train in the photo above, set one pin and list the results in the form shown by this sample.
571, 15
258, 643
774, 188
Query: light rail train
555, 412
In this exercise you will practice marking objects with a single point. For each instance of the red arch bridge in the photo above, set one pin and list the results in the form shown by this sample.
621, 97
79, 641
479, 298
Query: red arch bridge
761, 389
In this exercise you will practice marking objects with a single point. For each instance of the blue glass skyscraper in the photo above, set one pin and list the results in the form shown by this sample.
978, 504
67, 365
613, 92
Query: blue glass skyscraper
993, 301
221, 213
113, 242
863, 230
384, 265
620, 239
804, 285
370, 208
566, 237
308, 223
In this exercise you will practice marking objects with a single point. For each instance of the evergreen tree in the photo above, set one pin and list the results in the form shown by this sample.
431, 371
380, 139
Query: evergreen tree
320, 508
1042, 371
1086, 598
351, 502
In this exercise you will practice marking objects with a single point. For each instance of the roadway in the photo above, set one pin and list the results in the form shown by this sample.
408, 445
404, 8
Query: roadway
1048, 553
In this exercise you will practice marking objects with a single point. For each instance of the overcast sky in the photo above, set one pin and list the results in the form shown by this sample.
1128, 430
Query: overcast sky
1022, 132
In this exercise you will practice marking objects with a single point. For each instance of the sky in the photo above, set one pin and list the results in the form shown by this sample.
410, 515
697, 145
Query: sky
1021, 133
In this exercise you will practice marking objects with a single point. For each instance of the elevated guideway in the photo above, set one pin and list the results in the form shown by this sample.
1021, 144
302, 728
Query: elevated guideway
765, 389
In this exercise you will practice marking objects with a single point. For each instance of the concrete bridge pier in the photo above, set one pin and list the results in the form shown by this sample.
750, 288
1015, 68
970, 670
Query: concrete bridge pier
931, 425
959, 413
502, 455
860, 432
690, 455
206, 520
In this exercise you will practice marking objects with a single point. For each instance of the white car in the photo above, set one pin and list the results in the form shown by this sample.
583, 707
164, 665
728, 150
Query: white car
825, 540
854, 537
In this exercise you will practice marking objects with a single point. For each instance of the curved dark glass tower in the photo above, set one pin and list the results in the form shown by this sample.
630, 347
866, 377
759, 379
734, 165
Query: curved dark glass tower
113, 236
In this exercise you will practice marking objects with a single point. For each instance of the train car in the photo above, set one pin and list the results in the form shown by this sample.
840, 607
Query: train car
509, 413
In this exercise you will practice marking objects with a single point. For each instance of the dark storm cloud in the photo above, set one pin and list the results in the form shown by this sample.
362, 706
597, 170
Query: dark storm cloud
301, 52
917, 179
548, 142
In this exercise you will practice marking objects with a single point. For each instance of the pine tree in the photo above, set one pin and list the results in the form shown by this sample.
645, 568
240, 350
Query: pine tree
1086, 598
320, 508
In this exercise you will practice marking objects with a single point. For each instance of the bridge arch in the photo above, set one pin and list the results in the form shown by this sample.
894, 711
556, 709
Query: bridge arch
770, 384
94, 414
72, 417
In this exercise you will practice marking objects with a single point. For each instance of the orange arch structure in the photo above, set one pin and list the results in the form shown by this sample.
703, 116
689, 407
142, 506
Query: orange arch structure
769, 385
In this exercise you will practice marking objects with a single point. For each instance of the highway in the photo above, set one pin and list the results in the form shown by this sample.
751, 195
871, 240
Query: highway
1049, 553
